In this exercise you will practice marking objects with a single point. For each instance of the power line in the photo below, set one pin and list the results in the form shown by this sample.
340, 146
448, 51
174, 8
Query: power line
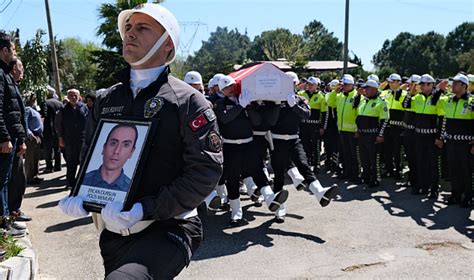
186, 47
8, 4
13, 15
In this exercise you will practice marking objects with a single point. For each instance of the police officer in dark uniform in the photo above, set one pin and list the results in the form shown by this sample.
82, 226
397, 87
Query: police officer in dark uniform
372, 119
458, 132
240, 154
288, 146
157, 237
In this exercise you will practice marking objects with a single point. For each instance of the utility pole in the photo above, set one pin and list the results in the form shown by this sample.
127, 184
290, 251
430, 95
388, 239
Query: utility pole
346, 38
54, 58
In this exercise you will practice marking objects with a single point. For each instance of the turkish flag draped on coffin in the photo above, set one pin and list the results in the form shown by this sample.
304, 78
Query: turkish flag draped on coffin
265, 81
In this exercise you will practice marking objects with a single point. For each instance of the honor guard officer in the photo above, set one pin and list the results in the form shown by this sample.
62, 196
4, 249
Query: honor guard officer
157, 237
393, 135
288, 146
240, 153
194, 79
458, 132
310, 133
346, 103
427, 132
215, 85
372, 119
409, 130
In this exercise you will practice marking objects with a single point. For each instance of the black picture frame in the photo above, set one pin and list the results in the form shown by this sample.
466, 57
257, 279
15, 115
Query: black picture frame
91, 187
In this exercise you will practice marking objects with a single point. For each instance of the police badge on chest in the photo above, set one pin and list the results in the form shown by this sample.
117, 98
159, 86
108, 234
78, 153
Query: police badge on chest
153, 106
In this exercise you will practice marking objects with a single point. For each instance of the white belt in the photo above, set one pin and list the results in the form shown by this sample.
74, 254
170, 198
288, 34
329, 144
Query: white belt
285, 136
141, 225
136, 228
259, 133
238, 141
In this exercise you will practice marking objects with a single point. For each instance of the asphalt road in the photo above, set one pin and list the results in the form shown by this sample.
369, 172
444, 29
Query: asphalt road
384, 233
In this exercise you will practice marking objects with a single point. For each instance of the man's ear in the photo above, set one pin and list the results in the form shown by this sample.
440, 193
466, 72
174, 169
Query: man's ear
168, 45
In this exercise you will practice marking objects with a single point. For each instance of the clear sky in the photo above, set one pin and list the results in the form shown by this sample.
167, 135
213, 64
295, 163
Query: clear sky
371, 21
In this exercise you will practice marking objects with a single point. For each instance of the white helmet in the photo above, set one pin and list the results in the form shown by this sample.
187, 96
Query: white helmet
193, 77
211, 83
293, 76
163, 17
334, 83
225, 82
373, 77
217, 77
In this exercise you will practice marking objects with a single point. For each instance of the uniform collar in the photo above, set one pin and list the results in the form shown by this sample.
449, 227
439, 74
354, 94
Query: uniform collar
464, 96
140, 79
123, 76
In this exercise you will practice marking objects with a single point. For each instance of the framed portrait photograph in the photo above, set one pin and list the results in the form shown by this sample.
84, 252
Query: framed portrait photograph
113, 163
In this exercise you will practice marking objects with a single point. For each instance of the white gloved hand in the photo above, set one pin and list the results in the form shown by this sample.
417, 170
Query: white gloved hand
291, 99
72, 206
114, 217
245, 98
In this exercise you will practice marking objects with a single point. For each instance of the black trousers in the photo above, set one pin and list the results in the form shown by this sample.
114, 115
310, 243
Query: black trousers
409, 140
241, 160
331, 144
311, 140
427, 163
460, 166
158, 252
284, 151
350, 163
52, 151
393, 149
17, 184
32, 157
370, 158
72, 153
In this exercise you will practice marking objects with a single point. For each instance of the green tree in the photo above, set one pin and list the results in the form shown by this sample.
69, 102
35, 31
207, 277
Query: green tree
459, 46
277, 44
320, 43
76, 68
34, 58
220, 52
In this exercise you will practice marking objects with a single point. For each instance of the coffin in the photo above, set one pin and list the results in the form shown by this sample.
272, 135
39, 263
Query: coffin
265, 80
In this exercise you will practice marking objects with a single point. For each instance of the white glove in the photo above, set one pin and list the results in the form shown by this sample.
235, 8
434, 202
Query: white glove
72, 206
291, 99
114, 217
245, 98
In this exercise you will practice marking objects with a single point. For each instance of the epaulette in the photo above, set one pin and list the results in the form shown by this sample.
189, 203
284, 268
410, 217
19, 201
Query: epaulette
108, 90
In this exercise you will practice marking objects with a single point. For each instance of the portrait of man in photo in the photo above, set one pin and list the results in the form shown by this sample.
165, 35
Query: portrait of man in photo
117, 150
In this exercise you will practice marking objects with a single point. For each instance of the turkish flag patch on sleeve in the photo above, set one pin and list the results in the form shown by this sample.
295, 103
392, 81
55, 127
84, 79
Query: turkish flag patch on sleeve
198, 122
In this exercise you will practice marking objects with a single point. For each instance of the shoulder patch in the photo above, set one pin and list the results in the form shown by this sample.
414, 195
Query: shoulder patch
214, 142
198, 122
210, 116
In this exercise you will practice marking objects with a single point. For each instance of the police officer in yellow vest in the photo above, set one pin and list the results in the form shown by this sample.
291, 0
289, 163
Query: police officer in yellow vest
346, 106
409, 130
393, 139
310, 133
331, 133
372, 119
458, 132
427, 132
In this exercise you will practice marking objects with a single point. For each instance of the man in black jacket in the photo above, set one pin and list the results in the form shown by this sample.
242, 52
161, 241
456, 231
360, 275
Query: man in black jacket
12, 122
157, 237
51, 108
70, 127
